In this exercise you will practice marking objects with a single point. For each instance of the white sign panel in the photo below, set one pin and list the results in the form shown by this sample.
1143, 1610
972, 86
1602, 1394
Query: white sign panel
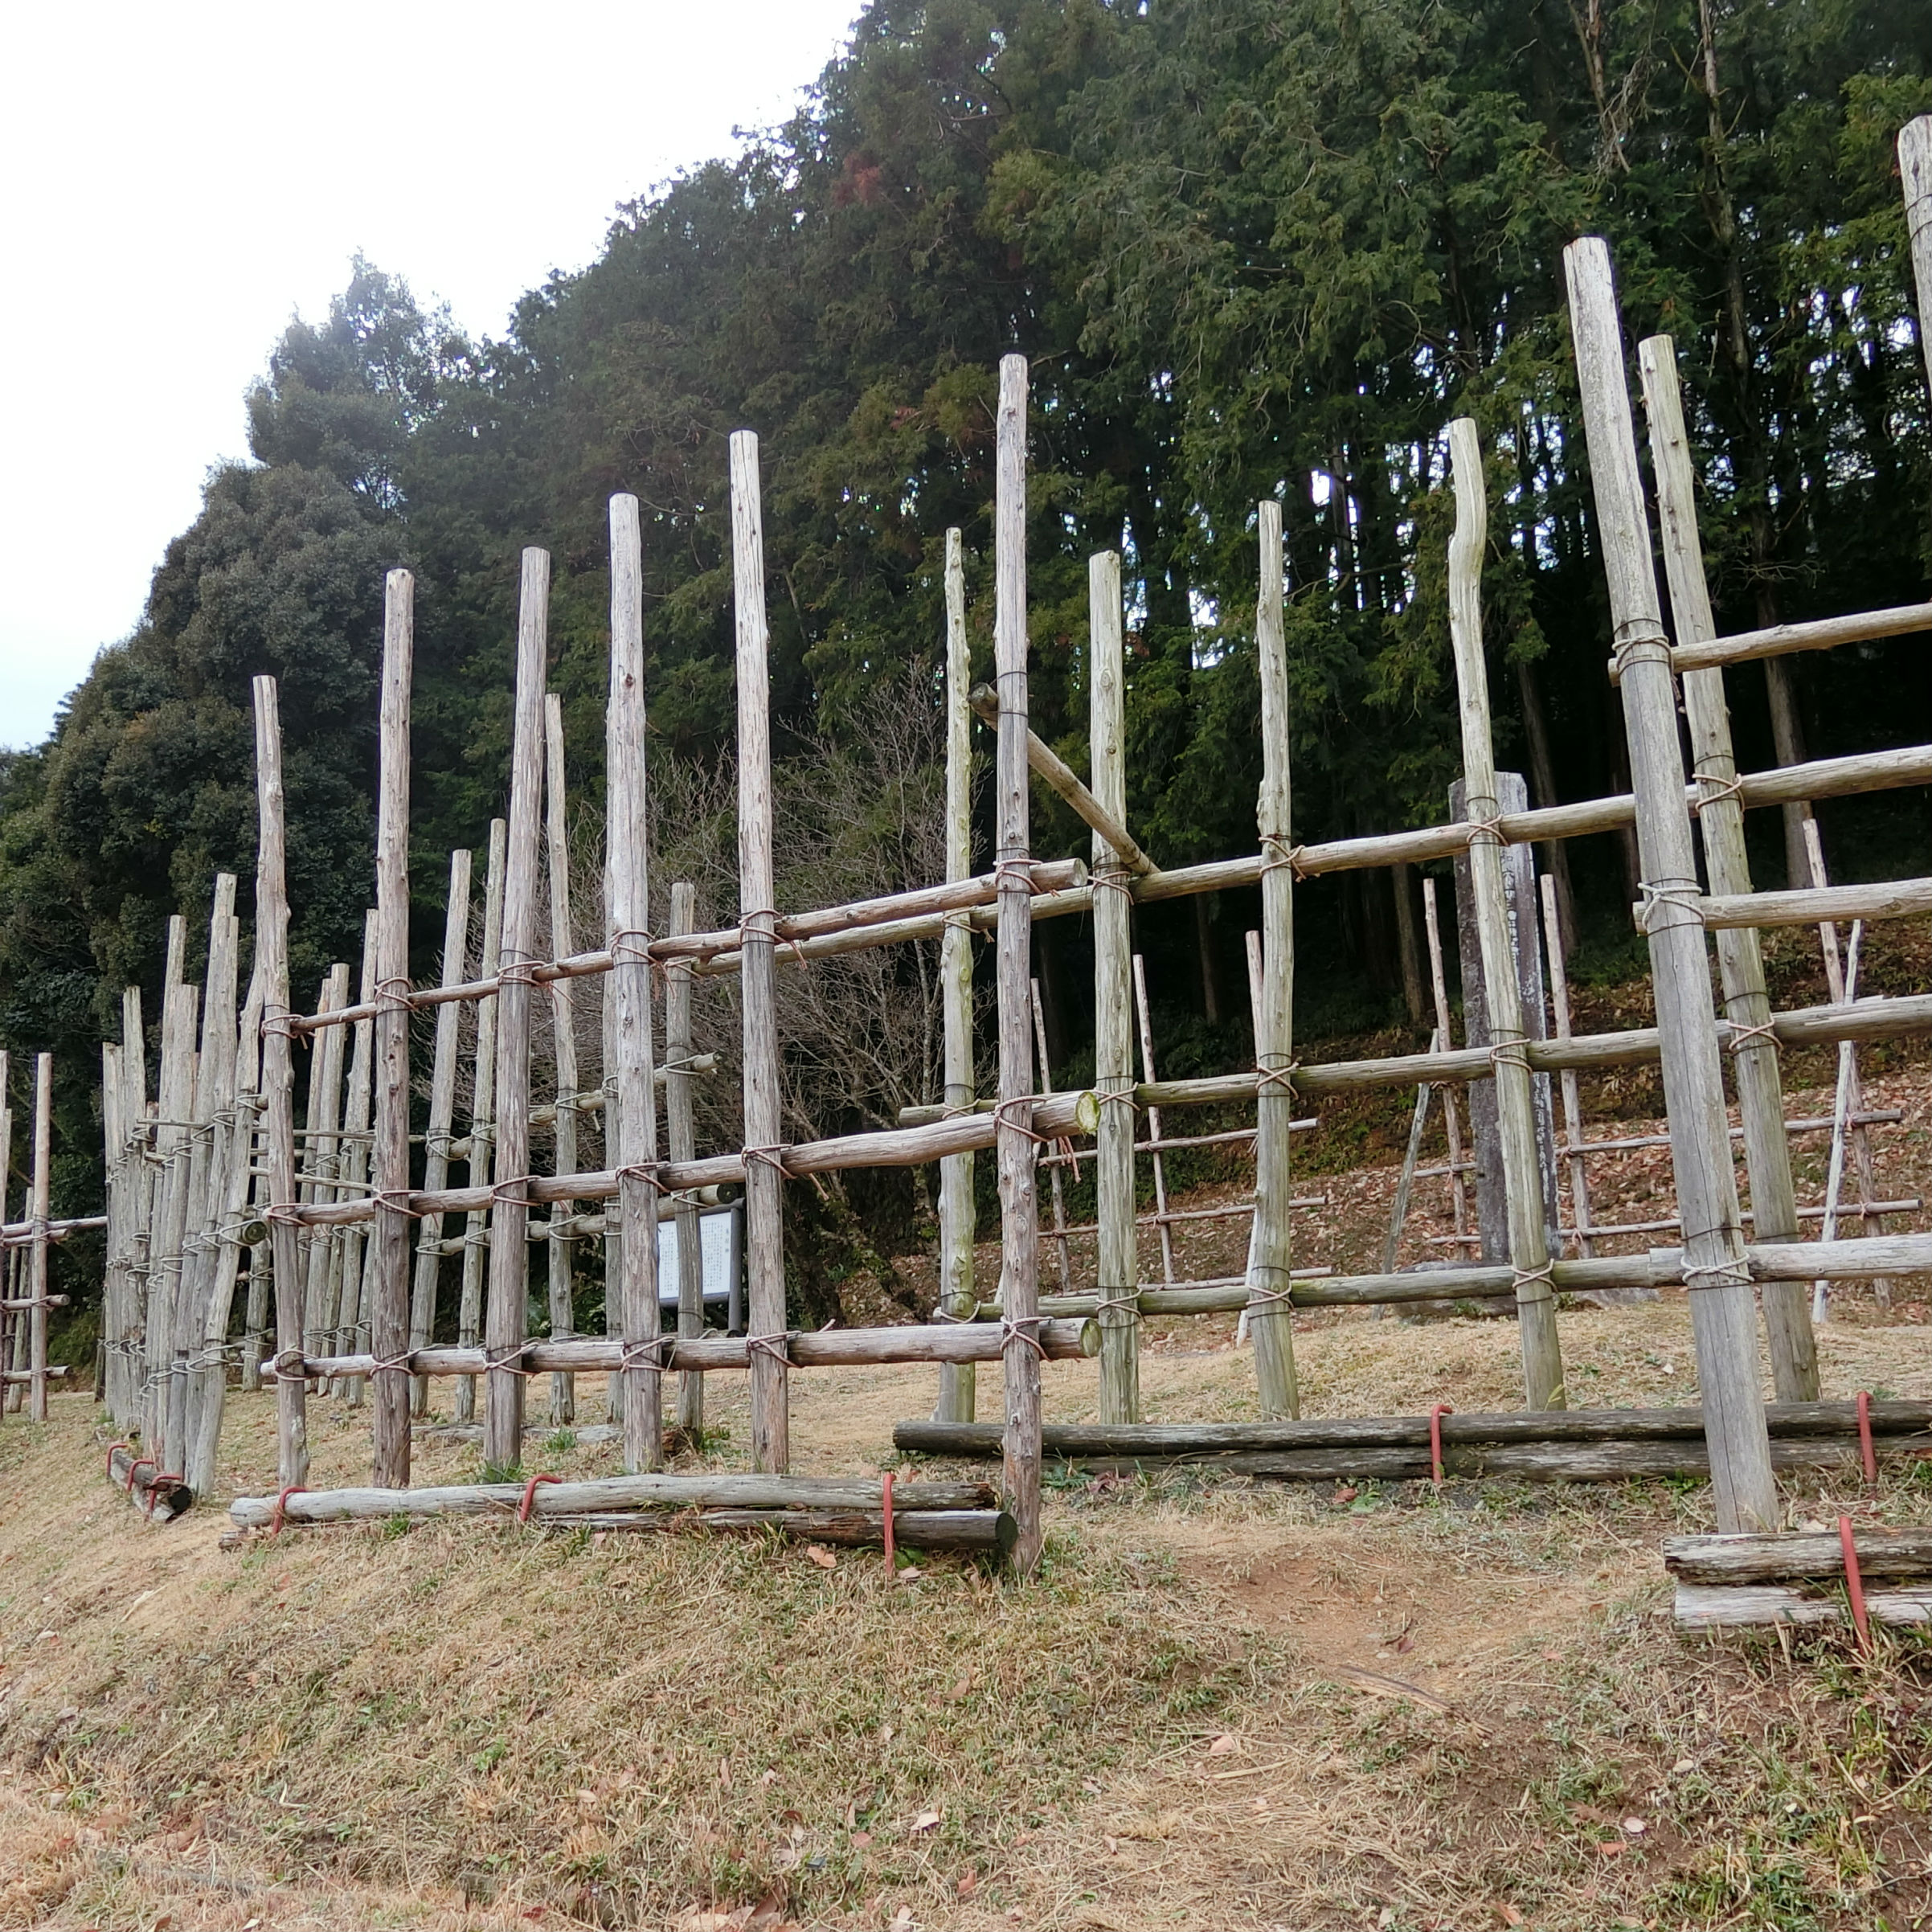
718, 1243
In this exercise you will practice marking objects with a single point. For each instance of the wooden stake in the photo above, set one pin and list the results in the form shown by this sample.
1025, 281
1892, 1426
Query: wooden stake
482, 1116
1064, 1253
442, 1117
347, 1314
1723, 1309
958, 1216
1270, 1316
1398, 1213
681, 1132
1529, 1255
322, 1123
1720, 821
505, 1326
764, 1175
626, 900
1573, 1098
1144, 1020
41, 1209
1019, 1204
1915, 169
1120, 1258
562, 1246
278, 1086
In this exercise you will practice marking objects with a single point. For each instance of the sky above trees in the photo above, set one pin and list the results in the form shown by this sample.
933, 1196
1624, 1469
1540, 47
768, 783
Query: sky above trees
181, 180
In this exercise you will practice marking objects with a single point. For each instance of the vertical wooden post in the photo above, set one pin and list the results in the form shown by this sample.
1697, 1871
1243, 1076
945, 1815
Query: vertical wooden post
39, 1209
390, 1388
1269, 1313
1915, 169
1720, 819
764, 1174
1019, 1203
113, 1281
1530, 1257
165, 1284
1723, 1309
634, 1104
321, 1149
482, 1118
680, 1133
442, 1115
133, 1109
1439, 992
1573, 1098
1120, 1255
278, 1086
562, 1241
1398, 1211
957, 1217
1145, 1017
345, 1312
506, 1328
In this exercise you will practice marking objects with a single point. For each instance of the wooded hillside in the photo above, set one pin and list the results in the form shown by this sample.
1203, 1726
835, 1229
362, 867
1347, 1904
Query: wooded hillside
1246, 244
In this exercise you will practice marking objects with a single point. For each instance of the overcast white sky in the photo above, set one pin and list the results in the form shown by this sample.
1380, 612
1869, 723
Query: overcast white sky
177, 180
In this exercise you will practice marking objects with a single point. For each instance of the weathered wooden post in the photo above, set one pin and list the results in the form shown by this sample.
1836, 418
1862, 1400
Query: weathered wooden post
506, 1332
1120, 1255
1723, 1309
1915, 168
278, 1087
482, 1119
390, 1388
1019, 1204
1747, 1004
322, 1149
633, 1105
442, 1116
1270, 1310
562, 1241
758, 919
1573, 1098
39, 1209
345, 1312
957, 1217
1439, 990
681, 1134
1522, 1154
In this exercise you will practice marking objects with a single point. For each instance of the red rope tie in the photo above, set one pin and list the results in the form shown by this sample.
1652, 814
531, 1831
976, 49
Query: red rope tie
154, 1490
139, 1461
1854, 1584
277, 1517
1435, 1442
1866, 1453
885, 1504
111, 1447
530, 1495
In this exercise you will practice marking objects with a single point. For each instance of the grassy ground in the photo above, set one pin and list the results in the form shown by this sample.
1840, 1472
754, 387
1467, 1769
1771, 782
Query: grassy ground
1226, 1706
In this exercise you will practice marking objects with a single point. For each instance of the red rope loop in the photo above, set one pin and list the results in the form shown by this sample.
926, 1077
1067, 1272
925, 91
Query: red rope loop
773, 1345
631, 946
885, 1507
1866, 1453
499, 1197
530, 1495
111, 1447
507, 1360
1854, 1584
518, 973
396, 1201
139, 1461
1017, 1328
1001, 1120
1743, 1034
1279, 854
284, 1023
1004, 868
1112, 878
276, 1517
388, 999
647, 1354
1435, 1442
1719, 788
647, 1172
290, 1365
773, 1157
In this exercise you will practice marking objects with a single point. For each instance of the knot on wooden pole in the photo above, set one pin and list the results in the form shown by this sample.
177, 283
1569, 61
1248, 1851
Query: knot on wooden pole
1279, 854
1717, 788
1733, 1274
1680, 896
1638, 640
1760, 1033
1022, 1329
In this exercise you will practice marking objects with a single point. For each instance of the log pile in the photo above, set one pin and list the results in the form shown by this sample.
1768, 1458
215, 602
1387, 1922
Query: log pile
1729, 1581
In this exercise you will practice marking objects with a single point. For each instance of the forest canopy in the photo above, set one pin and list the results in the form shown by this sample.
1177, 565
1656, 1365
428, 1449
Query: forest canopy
1251, 248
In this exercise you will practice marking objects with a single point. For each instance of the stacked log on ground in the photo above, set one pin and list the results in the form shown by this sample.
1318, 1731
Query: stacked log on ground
1727, 1581
850, 1511
1600, 1445
160, 1495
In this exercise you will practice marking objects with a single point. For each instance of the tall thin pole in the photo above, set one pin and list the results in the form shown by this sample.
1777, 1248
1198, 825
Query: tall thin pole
1270, 1311
563, 1023
1019, 1203
390, 1388
278, 1087
41, 1208
680, 1133
442, 1114
1529, 1257
482, 1117
758, 916
1915, 169
1720, 821
1143, 1018
627, 897
957, 1216
1063, 1250
1120, 1254
1572, 1097
1723, 1314
1438, 988
506, 1331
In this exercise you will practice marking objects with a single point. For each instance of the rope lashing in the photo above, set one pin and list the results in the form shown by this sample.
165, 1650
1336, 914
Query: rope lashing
1112, 878
774, 1347
1854, 1584
1718, 790
1543, 1277
278, 1515
530, 1495
507, 1360
499, 1196
648, 1354
1129, 1299
1000, 1117
1485, 826
1435, 1442
773, 1157
290, 1365
1019, 1327
1682, 895
1745, 1034
1733, 1274
1283, 1077
388, 999
1866, 1453
631, 946
1642, 644
1511, 1050
1278, 853
518, 973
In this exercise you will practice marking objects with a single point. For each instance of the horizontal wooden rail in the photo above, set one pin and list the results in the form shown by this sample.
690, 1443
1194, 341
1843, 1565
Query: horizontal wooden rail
1815, 634
1814, 905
